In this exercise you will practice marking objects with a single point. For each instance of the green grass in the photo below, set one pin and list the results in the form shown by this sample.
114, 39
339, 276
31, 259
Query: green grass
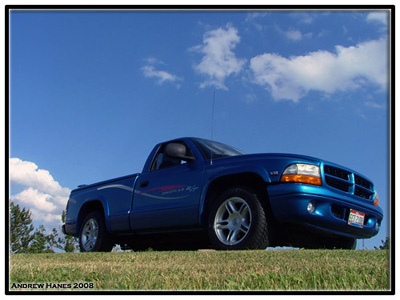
274, 270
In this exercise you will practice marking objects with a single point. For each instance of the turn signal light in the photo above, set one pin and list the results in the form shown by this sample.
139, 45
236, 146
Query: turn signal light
301, 179
376, 200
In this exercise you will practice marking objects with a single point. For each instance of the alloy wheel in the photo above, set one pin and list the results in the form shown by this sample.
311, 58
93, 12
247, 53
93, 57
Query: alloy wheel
232, 221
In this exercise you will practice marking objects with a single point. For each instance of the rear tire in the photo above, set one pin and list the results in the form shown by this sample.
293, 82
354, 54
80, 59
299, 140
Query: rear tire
237, 221
93, 235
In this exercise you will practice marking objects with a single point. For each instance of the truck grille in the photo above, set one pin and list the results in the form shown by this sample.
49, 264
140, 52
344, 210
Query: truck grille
348, 182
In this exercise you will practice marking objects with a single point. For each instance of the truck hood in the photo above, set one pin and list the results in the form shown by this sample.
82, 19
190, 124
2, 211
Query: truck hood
276, 161
262, 156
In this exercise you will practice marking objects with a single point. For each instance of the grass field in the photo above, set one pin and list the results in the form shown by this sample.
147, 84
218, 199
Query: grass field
273, 270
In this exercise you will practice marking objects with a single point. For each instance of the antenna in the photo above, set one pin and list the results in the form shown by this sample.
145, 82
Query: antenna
212, 127
212, 119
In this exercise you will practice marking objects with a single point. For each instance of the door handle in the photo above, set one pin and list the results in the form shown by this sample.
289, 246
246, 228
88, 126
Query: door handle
143, 184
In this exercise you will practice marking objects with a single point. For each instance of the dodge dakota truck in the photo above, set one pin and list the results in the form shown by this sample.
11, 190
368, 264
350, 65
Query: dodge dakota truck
195, 193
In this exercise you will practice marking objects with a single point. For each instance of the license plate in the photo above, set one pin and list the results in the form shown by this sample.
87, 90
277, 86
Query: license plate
356, 218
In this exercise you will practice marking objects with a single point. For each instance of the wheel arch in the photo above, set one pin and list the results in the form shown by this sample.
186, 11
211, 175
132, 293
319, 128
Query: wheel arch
88, 207
250, 180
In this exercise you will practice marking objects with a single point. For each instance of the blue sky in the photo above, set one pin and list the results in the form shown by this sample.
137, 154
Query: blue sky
92, 92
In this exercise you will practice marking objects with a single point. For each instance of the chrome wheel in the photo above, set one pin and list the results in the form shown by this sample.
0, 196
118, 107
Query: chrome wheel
89, 235
232, 221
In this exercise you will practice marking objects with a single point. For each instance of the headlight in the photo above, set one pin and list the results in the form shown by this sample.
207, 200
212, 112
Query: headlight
302, 173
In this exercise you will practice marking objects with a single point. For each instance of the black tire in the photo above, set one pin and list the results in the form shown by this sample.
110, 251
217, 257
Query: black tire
93, 235
237, 221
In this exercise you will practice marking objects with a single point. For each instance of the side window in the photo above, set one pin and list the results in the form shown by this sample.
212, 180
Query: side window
162, 161
159, 160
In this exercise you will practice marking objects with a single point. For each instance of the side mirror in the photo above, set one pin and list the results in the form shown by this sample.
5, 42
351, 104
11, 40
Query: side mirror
176, 150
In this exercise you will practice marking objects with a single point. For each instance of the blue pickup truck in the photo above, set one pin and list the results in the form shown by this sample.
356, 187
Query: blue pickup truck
195, 193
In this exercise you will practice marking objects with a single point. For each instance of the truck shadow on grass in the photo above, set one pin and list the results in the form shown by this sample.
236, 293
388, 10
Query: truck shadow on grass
208, 270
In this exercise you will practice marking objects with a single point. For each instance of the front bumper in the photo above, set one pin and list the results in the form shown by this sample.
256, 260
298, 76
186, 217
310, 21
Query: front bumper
289, 203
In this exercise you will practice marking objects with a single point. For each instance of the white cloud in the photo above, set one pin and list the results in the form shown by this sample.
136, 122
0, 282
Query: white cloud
219, 61
162, 76
51, 219
42, 195
346, 69
153, 60
27, 173
380, 17
296, 35
31, 197
152, 70
293, 35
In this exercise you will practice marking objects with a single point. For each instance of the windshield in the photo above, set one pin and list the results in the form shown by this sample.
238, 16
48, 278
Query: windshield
210, 149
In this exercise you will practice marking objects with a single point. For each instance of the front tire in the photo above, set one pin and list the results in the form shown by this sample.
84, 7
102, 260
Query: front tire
237, 221
93, 235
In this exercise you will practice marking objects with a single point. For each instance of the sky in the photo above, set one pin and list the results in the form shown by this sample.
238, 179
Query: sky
92, 92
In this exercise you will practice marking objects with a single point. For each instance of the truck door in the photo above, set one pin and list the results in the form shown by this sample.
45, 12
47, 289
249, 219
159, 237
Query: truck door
168, 195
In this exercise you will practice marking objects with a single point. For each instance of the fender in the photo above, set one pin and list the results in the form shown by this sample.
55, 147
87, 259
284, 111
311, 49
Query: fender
242, 168
105, 207
228, 171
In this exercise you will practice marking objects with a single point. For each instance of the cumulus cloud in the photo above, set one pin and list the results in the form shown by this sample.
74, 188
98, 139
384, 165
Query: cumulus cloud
150, 71
31, 197
346, 69
50, 219
219, 60
44, 196
27, 173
